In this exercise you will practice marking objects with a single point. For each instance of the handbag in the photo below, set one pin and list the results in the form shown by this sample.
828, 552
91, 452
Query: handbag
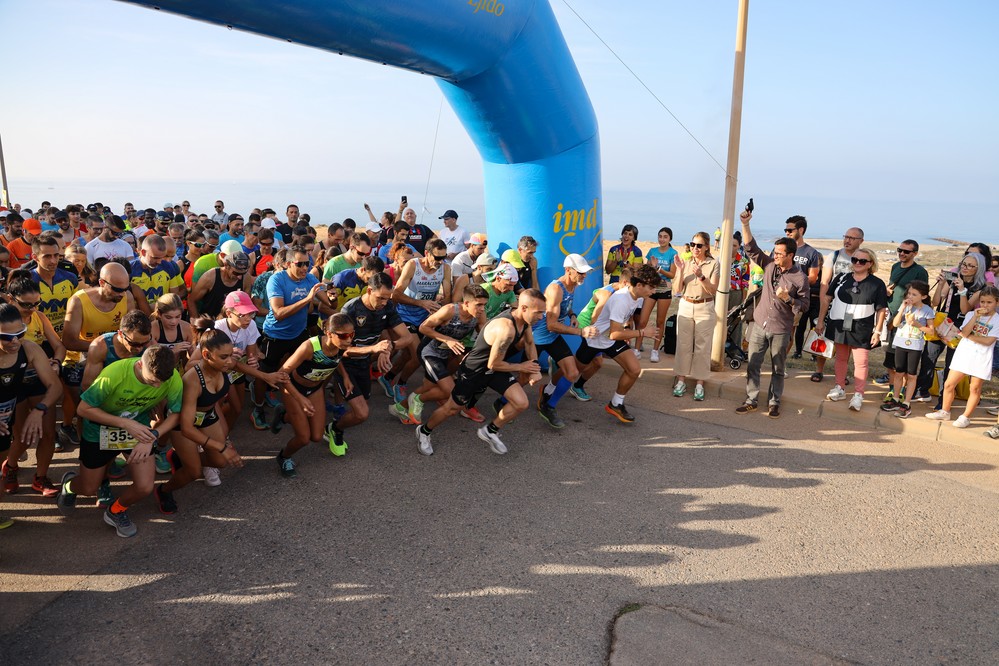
818, 345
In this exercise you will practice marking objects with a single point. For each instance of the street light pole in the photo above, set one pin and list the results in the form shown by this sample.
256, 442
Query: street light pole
4, 198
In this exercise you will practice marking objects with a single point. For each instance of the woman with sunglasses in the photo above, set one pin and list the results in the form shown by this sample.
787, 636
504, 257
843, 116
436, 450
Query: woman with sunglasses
695, 320
17, 355
857, 304
23, 294
309, 368
201, 444
77, 255
197, 247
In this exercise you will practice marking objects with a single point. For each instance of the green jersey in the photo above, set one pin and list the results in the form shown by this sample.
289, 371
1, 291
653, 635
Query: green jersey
584, 317
119, 392
337, 264
497, 301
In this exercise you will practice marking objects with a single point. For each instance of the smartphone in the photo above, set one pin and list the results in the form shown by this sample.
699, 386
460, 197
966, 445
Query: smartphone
405, 200
749, 206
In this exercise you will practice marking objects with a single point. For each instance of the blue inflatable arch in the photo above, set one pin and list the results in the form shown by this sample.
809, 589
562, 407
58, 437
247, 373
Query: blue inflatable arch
507, 72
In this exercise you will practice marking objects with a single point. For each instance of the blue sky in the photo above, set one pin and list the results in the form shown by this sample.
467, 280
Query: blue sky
860, 100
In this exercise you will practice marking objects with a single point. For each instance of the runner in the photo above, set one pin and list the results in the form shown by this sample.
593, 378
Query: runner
155, 274
548, 334
208, 296
446, 332
202, 440
117, 417
613, 337
314, 363
170, 330
488, 366
129, 341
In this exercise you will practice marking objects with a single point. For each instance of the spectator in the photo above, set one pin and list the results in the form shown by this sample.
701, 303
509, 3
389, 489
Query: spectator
625, 252
834, 264
809, 260
456, 238
661, 258
903, 271
738, 283
464, 262
695, 320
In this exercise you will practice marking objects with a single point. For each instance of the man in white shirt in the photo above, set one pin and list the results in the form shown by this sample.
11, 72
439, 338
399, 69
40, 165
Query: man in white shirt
464, 262
454, 237
108, 243
220, 217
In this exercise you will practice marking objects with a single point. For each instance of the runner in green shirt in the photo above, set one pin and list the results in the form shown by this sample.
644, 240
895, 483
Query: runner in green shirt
501, 290
118, 416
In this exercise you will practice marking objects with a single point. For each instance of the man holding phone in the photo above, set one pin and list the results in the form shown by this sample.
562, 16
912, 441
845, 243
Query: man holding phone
419, 234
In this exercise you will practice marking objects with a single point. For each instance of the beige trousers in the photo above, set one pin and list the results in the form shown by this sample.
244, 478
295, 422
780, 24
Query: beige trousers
695, 325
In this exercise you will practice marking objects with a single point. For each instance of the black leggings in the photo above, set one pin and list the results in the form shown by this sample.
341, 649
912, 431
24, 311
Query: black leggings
927, 367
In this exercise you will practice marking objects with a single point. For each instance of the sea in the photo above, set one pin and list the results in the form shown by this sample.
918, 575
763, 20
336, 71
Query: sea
684, 212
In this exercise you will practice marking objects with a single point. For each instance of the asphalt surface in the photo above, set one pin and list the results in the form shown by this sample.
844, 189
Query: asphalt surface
842, 541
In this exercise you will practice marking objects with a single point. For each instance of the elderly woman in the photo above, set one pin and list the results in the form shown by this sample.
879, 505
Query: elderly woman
857, 304
697, 278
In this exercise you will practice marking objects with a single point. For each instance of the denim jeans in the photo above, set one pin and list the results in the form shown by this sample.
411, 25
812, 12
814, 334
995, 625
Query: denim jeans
759, 341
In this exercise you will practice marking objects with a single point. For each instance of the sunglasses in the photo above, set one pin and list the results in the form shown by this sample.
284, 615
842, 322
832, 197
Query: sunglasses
262, 244
26, 306
132, 343
199, 245
698, 245
117, 290
790, 230
363, 254
859, 262
902, 250
852, 238
438, 257
300, 264
10, 337
344, 336
218, 208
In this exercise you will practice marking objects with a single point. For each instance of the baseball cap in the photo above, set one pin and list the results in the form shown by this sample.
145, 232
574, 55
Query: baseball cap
576, 262
241, 302
62, 215
32, 226
477, 239
448, 213
268, 223
485, 259
4, 212
168, 206
238, 259
231, 247
513, 257
372, 227
163, 215
507, 272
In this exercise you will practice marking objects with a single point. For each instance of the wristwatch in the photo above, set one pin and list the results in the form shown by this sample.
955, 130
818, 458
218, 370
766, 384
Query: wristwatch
42, 407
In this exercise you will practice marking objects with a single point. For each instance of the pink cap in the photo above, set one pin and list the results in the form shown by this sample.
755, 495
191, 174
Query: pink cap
477, 239
241, 302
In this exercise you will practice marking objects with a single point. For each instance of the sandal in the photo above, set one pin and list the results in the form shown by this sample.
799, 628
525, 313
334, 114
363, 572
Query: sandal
816, 377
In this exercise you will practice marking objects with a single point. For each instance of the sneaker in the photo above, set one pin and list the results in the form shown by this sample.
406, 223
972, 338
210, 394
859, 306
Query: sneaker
472, 414
118, 469
162, 464
334, 438
277, 420
994, 411
993, 432
836, 394
882, 380
796, 355
939, 415
890, 405
889, 397
637, 353
67, 436
415, 403
549, 414
387, 387
212, 478
745, 408
105, 497
165, 501
400, 412
962, 421
654, 356
857, 401
580, 394
272, 398
679, 390
922, 397
496, 444
287, 467
5, 522
66, 501
42, 485
121, 523
620, 412
258, 417
774, 411
699, 392
423, 442
8, 473
400, 392
903, 411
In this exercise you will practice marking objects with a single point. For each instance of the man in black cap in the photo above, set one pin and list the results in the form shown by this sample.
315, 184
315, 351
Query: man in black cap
455, 237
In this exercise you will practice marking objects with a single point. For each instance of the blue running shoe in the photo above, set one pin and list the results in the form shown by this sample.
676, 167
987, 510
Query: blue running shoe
387, 387
580, 394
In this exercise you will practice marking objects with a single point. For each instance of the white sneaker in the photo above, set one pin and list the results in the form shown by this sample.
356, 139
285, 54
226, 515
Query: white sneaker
940, 415
496, 445
857, 401
994, 411
962, 421
836, 393
654, 356
212, 477
423, 442
637, 352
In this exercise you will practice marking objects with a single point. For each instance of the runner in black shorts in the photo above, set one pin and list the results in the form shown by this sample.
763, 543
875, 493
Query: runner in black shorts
488, 366
373, 316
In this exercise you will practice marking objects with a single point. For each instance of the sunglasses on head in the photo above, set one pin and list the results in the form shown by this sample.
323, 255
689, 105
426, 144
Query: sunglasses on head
10, 337
858, 261
698, 245
117, 290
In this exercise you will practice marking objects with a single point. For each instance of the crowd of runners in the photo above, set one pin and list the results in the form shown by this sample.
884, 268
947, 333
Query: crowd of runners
150, 331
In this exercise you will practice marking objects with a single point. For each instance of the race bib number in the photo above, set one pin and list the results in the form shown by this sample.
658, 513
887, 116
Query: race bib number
199, 418
235, 376
115, 439
319, 375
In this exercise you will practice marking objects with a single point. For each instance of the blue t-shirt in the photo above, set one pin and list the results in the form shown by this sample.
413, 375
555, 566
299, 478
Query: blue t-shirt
665, 260
383, 253
226, 236
282, 286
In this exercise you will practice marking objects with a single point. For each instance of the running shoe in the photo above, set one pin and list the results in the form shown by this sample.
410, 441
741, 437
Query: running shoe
162, 464
165, 501
496, 444
903, 411
399, 392
620, 412
836, 393
287, 467
890, 405
42, 485
857, 401
117, 469
472, 414
212, 477
423, 442
882, 380
258, 417
68, 436
699, 392
994, 411
272, 398
939, 415
679, 390
400, 412
415, 408
993, 432
105, 497
387, 387
922, 397
121, 523
549, 414
64, 500
8, 473
654, 356
962, 421
889, 397
637, 353
334, 437
580, 394
277, 421
5, 522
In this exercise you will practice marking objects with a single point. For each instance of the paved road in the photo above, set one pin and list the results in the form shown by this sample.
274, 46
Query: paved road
849, 543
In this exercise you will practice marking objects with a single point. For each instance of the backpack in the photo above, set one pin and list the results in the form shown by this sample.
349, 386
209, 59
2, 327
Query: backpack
669, 335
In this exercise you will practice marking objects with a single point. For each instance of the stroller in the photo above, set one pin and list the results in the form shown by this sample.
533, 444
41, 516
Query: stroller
736, 357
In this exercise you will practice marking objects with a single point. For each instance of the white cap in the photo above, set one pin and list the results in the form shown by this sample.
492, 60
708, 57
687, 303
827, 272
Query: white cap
268, 223
485, 259
372, 227
507, 272
576, 262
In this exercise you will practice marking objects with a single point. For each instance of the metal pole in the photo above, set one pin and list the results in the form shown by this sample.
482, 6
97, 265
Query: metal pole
731, 180
4, 199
